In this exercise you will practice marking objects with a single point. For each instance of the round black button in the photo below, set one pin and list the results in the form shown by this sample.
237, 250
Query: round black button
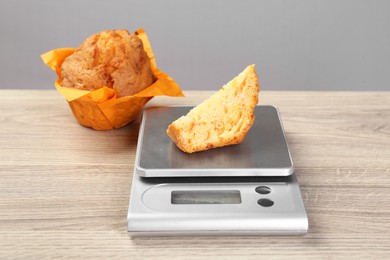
263, 190
265, 202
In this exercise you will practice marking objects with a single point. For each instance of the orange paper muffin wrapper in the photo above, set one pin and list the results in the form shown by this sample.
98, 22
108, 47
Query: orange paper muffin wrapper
100, 109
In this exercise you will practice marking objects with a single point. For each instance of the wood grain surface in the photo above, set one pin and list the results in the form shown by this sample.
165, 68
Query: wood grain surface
64, 188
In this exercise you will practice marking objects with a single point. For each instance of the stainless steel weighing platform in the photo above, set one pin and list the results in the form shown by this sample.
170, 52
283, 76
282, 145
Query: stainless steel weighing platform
244, 189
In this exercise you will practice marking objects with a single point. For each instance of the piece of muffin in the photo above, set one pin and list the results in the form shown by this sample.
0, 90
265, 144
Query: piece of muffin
223, 119
114, 59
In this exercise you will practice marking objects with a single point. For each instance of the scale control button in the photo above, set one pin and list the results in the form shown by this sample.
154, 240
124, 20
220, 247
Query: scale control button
263, 190
265, 202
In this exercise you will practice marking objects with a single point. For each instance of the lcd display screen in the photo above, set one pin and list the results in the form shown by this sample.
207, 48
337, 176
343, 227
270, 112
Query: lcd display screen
206, 197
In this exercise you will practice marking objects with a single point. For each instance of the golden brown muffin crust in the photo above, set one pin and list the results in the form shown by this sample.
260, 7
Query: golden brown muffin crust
114, 59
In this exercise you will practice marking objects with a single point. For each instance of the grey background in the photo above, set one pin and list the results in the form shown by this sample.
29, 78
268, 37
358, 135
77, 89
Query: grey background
202, 44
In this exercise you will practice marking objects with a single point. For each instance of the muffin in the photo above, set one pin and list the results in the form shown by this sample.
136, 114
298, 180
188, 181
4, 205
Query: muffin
113, 58
223, 119
109, 78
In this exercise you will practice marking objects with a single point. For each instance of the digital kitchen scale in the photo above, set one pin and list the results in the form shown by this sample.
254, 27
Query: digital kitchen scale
244, 189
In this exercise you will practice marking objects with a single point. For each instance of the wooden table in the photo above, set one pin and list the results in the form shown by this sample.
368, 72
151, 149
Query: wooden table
64, 189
